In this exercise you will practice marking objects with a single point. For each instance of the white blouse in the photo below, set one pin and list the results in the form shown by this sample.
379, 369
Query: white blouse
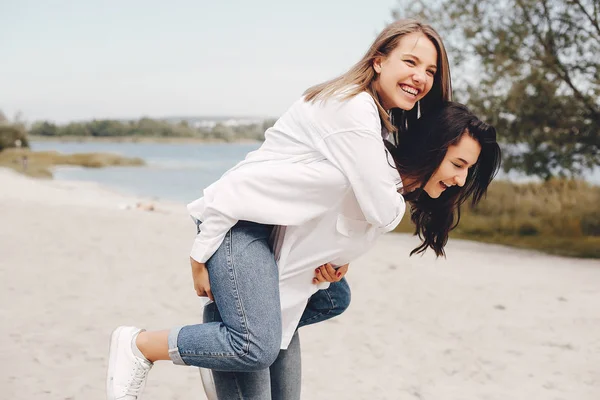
322, 172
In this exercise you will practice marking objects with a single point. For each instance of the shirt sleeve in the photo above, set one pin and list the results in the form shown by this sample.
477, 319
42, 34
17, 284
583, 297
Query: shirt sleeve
213, 229
356, 147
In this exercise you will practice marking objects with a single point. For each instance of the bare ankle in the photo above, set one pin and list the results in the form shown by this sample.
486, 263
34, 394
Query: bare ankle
153, 345
141, 342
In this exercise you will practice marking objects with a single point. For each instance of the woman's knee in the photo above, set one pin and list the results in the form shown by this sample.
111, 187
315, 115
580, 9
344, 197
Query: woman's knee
340, 296
258, 346
262, 353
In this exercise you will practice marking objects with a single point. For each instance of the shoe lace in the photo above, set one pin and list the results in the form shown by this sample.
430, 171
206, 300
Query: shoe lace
139, 377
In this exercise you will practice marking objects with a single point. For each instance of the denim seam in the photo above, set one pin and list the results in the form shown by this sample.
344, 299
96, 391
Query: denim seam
333, 306
316, 317
244, 320
214, 355
331, 300
238, 388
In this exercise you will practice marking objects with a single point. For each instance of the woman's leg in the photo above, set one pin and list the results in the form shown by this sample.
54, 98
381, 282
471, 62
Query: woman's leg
244, 281
283, 380
327, 303
245, 284
255, 385
286, 372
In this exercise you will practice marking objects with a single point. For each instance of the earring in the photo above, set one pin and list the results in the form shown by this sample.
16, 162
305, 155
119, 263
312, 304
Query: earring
418, 109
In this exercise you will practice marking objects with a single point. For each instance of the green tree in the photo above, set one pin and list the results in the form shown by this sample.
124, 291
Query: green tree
223, 132
531, 68
106, 127
268, 123
44, 129
74, 129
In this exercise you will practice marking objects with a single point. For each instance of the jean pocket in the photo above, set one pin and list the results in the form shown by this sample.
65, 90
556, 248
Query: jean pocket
210, 313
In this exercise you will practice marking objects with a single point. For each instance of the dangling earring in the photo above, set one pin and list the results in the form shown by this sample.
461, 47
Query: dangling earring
418, 109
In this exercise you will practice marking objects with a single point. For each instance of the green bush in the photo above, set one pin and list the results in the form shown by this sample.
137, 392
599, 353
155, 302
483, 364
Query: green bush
10, 135
40, 163
590, 224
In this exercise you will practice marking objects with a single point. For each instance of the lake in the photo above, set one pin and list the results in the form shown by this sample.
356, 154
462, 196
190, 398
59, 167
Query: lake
178, 171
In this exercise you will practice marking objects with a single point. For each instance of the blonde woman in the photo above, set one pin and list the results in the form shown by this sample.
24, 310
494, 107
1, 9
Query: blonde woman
322, 173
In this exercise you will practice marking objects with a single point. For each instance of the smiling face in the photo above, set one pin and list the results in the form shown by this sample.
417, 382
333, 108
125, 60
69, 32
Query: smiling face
454, 167
406, 74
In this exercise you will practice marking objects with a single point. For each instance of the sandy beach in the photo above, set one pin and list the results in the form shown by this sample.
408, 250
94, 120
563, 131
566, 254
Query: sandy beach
489, 322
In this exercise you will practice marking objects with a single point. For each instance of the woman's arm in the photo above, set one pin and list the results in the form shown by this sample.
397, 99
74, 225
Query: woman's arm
352, 140
361, 156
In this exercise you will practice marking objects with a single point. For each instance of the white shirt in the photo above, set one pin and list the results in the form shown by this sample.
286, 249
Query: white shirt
321, 172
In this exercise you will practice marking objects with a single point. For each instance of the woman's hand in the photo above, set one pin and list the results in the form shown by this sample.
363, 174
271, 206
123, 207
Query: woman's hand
326, 273
201, 281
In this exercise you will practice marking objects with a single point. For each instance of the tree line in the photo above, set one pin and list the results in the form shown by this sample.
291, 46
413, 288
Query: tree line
147, 127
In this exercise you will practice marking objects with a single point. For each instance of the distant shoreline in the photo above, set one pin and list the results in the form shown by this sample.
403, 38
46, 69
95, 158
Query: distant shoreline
134, 139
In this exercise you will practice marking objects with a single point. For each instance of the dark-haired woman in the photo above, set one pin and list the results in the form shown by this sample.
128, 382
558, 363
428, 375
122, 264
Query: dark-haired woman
444, 159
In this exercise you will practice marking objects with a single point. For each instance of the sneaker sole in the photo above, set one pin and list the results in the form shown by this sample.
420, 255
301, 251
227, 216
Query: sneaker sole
208, 383
111, 362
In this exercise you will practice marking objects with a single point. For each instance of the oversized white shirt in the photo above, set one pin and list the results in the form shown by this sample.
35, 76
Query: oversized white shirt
322, 172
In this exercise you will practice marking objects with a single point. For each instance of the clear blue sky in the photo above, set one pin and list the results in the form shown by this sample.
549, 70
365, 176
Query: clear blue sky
78, 60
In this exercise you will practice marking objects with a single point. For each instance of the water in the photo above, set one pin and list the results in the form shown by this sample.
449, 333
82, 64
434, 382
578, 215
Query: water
176, 172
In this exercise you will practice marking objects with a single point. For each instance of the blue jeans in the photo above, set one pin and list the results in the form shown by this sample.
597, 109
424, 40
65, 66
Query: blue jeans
245, 284
246, 335
282, 380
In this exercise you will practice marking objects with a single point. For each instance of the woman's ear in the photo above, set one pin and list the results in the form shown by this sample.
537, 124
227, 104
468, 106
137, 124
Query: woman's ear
377, 65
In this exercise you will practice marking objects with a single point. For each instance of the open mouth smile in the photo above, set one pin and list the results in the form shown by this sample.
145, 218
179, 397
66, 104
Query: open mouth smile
410, 90
444, 186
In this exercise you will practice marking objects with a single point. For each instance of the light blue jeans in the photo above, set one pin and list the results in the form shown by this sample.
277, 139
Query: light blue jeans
242, 332
282, 380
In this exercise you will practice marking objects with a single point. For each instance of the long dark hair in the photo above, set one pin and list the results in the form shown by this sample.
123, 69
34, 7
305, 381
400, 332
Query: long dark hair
418, 153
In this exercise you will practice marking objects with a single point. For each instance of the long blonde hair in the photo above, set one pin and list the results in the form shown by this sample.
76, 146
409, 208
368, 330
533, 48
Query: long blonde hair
361, 76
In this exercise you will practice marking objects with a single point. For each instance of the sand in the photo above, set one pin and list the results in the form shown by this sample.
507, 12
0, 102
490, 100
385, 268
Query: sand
489, 322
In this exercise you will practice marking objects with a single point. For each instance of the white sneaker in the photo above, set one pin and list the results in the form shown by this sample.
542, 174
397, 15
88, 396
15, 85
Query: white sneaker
127, 372
209, 383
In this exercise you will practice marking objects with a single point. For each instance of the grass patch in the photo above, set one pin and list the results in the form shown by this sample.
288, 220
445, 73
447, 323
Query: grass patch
39, 164
558, 217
